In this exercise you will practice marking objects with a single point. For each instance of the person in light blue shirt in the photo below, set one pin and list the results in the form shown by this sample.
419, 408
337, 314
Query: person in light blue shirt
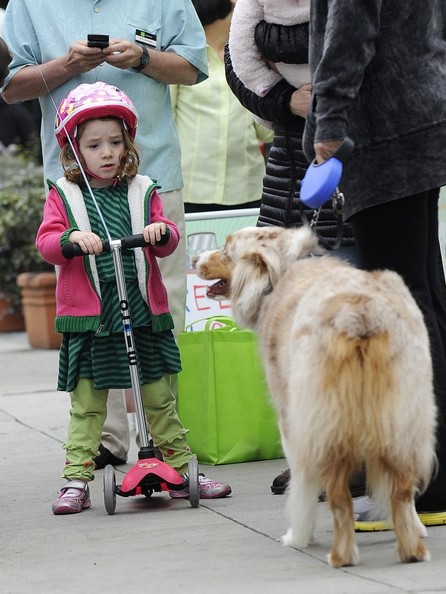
53, 33
152, 44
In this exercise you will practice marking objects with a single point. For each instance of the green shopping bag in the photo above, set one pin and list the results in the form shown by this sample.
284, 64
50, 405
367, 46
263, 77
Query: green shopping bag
222, 395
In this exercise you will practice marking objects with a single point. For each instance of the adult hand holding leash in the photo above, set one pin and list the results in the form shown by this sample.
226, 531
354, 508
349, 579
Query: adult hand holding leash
326, 149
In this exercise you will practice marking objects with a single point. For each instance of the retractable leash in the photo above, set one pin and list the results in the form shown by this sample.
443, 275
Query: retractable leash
150, 473
320, 183
322, 179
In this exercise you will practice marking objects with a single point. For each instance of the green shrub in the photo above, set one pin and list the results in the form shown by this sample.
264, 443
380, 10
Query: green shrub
22, 196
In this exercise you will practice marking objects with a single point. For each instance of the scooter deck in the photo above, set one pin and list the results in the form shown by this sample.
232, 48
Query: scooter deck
142, 468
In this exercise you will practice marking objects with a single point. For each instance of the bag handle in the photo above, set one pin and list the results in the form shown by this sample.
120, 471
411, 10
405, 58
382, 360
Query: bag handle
229, 324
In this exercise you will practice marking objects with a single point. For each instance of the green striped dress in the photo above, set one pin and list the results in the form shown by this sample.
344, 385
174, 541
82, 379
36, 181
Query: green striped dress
103, 356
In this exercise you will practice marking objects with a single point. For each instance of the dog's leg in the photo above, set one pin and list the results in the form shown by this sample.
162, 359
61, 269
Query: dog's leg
406, 523
344, 551
302, 501
422, 530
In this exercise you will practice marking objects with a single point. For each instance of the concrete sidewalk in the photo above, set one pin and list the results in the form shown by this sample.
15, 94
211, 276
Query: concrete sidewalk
160, 544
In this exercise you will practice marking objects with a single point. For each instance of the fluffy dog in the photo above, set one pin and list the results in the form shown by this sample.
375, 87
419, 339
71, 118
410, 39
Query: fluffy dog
347, 360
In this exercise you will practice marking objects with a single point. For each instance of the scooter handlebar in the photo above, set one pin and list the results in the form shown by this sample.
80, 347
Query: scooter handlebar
72, 250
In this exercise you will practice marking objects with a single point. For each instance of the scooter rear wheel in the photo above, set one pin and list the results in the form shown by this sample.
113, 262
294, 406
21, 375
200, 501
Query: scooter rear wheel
194, 483
109, 484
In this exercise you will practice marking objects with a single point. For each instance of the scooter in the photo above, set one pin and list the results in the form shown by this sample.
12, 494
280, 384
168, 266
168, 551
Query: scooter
150, 474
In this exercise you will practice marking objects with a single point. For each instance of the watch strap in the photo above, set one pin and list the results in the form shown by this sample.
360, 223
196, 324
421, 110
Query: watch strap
145, 59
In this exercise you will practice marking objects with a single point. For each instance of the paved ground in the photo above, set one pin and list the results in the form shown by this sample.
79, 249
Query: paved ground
156, 545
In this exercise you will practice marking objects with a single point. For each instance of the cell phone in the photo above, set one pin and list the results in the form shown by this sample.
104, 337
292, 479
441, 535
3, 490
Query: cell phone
94, 40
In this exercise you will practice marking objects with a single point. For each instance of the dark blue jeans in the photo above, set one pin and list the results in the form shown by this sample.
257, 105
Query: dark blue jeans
402, 235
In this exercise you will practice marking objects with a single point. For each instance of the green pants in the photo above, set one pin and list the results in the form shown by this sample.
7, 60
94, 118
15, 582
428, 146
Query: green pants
87, 417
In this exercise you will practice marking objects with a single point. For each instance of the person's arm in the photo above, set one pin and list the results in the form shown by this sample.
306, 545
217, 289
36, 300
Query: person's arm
29, 82
180, 57
247, 61
54, 225
274, 107
166, 67
348, 47
325, 150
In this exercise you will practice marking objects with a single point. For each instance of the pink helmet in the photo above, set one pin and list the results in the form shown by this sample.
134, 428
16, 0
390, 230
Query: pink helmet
88, 101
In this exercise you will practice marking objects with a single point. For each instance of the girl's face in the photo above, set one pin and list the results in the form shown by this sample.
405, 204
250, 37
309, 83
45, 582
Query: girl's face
101, 144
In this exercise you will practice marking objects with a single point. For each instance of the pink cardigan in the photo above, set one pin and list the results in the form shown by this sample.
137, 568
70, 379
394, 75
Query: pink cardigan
78, 301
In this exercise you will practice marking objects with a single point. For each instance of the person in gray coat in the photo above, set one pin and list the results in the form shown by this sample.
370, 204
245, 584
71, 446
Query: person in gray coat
378, 69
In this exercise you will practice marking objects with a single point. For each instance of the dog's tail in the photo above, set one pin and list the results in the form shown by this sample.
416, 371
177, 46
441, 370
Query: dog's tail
357, 315
358, 349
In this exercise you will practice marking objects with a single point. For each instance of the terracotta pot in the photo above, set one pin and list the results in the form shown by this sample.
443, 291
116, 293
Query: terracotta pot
11, 318
38, 291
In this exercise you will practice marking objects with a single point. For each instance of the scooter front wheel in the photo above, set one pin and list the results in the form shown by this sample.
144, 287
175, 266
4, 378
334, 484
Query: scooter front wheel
194, 483
109, 484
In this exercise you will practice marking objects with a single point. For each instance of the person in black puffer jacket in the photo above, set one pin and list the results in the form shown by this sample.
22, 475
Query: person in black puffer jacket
286, 163
285, 107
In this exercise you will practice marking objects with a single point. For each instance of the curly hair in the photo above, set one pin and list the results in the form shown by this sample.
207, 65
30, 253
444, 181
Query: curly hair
128, 166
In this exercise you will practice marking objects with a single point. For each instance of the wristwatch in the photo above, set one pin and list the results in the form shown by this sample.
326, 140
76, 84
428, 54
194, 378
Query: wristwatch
145, 59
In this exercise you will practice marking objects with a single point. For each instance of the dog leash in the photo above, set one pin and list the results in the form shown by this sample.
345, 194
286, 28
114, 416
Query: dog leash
337, 203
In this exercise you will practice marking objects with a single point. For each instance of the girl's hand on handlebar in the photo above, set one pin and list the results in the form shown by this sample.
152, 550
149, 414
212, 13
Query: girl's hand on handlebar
89, 242
153, 232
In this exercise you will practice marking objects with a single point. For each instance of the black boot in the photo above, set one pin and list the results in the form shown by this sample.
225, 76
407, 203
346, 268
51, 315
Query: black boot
280, 483
357, 484
106, 457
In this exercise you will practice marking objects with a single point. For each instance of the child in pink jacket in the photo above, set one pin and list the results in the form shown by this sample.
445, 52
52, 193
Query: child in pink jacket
101, 122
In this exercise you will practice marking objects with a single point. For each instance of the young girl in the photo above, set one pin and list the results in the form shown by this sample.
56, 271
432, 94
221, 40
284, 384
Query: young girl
101, 122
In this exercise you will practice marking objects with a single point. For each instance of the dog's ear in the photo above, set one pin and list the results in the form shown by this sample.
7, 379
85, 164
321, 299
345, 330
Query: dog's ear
254, 276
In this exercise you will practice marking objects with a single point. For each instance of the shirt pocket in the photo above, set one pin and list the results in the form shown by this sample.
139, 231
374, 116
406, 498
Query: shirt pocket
145, 33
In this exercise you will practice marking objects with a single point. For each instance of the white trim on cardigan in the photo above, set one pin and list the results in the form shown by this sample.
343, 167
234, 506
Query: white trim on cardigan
137, 192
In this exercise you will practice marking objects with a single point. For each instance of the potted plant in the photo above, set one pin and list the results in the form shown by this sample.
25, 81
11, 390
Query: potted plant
22, 197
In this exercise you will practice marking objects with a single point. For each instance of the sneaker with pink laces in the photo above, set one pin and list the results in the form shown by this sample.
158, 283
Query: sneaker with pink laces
208, 489
72, 498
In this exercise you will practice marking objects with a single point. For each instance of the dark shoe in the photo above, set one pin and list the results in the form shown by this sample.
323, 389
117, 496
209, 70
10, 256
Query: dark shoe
280, 483
106, 457
357, 484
